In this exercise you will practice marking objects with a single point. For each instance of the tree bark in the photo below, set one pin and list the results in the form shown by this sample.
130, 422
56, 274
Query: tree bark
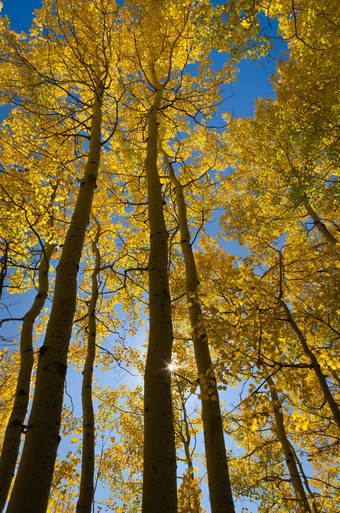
15, 426
221, 500
159, 478
301, 497
86, 490
3, 266
33, 481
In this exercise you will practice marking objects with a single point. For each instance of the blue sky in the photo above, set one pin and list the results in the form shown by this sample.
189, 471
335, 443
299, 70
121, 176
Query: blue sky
20, 12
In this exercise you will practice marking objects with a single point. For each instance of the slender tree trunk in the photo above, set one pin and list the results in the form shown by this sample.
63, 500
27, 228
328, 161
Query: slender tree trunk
15, 426
314, 364
3, 267
220, 494
335, 376
159, 478
305, 480
86, 490
194, 505
33, 481
319, 225
301, 497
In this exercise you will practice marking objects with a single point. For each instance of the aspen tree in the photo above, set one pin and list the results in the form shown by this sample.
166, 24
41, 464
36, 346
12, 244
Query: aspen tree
16, 424
315, 365
33, 480
286, 157
86, 490
301, 497
159, 441
311, 494
189, 491
41, 228
3, 264
160, 33
215, 452
32, 484
251, 329
328, 396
